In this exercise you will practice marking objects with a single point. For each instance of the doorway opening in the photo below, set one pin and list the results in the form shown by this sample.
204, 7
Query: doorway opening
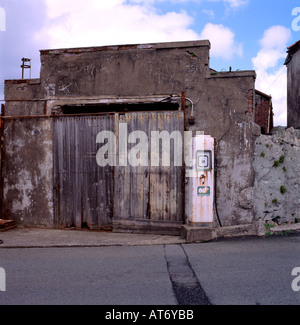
119, 108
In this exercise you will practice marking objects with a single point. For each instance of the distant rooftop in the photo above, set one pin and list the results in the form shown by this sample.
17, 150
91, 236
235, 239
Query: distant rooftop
291, 50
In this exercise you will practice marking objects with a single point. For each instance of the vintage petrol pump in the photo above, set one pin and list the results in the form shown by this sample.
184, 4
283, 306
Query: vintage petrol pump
201, 212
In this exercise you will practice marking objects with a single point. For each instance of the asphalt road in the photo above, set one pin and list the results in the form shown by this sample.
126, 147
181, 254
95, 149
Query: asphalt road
245, 272
256, 271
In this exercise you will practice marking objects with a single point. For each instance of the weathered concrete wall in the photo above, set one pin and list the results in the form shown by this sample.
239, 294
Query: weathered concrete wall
20, 90
224, 116
277, 181
72, 76
24, 98
293, 81
27, 172
124, 71
235, 174
27, 166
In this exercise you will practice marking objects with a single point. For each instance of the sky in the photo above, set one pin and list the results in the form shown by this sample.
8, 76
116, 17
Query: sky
244, 34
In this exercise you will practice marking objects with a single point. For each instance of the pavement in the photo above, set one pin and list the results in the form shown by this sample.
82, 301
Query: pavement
42, 238
20, 237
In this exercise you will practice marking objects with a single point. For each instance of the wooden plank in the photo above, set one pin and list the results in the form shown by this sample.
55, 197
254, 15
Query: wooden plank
7, 224
166, 183
132, 182
142, 226
121, 206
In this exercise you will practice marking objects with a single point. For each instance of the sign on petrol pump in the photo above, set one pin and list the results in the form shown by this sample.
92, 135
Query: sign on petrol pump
203, 160
203, 191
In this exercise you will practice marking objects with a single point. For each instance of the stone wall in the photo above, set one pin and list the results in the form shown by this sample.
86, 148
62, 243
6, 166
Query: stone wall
277, 181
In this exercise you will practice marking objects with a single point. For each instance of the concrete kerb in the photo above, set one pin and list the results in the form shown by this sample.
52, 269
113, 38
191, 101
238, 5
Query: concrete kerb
285, 229
256, 229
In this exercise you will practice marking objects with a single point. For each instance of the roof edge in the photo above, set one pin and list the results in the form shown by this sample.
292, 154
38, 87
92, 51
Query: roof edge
263, 94
291, 50
232, 74
145, 46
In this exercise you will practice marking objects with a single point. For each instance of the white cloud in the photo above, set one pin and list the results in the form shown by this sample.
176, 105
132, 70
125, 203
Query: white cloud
271, 74
223, 43
84, 23
231, 3
92, 22
275, 37
236, 3
209, 13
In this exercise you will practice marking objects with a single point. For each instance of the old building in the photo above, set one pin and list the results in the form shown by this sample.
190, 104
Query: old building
293, 85
50, 173
264, 111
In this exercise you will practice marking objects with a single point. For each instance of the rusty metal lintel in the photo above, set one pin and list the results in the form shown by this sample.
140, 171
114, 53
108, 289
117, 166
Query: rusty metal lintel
71, 115
23, 100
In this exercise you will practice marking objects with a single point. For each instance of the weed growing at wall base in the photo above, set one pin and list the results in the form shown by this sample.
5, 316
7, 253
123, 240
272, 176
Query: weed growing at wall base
268, 231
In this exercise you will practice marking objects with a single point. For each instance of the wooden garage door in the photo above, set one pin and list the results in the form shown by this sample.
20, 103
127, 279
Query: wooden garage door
131, 198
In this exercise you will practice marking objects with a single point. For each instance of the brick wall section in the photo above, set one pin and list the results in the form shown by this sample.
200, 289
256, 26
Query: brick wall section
263, 111
263, 114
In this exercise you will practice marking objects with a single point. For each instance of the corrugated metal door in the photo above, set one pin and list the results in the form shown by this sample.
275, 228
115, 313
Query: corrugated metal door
83, 190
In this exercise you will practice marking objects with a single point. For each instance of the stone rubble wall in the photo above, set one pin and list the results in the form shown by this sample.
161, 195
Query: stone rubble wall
277, 177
